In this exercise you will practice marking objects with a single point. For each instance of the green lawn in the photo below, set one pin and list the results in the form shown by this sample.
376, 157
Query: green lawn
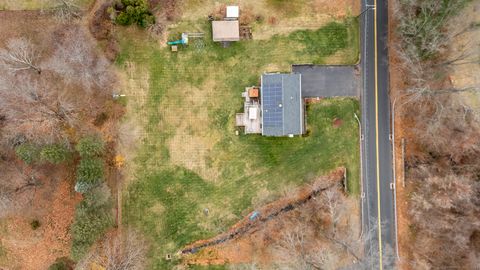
190, 158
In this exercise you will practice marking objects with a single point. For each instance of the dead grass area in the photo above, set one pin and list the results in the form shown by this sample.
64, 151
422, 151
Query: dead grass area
38, 28
134, 82
268, 19
397, 83
52, 205
192, 142
34, 4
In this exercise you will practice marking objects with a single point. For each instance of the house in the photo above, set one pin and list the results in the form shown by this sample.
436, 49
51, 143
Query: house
282, 104
277, 107
226, 31
274, 109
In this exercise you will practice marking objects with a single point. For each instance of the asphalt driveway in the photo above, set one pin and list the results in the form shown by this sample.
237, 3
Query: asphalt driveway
328, 81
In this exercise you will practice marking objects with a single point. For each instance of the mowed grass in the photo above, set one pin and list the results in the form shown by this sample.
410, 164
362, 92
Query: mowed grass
190, 159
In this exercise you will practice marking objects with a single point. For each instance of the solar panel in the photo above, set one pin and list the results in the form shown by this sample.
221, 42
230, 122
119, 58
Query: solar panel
272, 104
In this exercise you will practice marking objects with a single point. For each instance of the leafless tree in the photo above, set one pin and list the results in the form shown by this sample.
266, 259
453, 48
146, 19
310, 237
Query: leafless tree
66, 10
33, 108
7, 202
297, 250
333, 202
16, 188
124, 249
19, 54
76, 60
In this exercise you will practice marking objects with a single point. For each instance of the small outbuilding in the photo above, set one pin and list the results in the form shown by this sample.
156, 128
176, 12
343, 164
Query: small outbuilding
225, 31
233, 12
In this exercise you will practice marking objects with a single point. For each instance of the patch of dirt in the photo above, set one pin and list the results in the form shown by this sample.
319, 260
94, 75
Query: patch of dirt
37, 249
337, 122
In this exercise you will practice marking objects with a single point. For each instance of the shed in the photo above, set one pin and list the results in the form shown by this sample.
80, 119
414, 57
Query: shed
226, 31
282, 104
233, 12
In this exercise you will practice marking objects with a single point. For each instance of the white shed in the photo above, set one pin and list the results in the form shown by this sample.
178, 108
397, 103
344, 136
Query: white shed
233, 12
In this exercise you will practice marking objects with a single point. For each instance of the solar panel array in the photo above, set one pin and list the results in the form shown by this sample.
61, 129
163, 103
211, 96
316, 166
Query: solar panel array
272, 101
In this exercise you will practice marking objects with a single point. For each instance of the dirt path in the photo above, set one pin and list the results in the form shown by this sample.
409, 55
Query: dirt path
270, 211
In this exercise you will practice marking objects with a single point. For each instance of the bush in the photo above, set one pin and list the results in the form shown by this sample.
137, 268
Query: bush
134, 11
62, 263
28, 152
92, 218
35, 224
90, 171
90, 146
54, 153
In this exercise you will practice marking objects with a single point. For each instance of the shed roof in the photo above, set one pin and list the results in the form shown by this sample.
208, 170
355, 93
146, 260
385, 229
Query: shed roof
282, 105
232, 11
226, 30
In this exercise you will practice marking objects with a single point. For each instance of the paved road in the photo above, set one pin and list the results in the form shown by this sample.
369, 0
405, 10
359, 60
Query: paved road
376, 145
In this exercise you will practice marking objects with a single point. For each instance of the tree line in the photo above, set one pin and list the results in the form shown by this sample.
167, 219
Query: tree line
442, 165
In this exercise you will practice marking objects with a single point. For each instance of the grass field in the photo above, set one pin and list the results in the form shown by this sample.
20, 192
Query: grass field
36, 4
189, 157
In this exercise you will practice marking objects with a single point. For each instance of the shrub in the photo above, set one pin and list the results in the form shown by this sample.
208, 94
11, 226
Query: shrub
54, 153
90, 171
62, 263
28, 152
134, 11
102, 117
90, 146
92, 218
35, 224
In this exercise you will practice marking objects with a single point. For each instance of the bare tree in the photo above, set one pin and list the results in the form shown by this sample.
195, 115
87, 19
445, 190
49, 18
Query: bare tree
16, 188
124, 249
19, 54
76, 60
66, 10
297, 250
333, 202
33, 108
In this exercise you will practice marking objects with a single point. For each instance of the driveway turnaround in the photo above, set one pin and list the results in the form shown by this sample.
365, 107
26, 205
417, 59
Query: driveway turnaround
328, 81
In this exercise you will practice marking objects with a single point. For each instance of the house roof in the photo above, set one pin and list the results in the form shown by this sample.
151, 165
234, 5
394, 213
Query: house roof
282, 104
226, 30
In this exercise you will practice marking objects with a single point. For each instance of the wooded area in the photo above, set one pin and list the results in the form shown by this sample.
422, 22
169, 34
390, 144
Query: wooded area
442, 128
